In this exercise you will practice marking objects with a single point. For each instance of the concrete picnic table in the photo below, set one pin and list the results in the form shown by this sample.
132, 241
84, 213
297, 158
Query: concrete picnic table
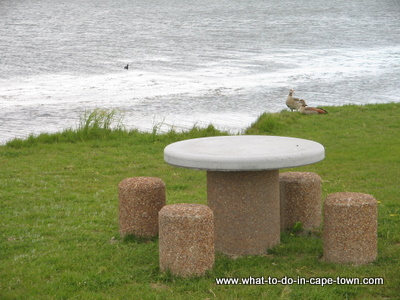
243, 184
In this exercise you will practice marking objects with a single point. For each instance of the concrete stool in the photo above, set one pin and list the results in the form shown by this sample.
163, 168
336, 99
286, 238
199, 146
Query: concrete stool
186, 239
300, 197
140, 200
350, 228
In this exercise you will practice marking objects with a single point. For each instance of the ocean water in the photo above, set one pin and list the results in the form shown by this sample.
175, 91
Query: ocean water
190, 63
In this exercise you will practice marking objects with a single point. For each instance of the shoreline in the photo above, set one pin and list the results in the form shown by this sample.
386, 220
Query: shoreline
159, 130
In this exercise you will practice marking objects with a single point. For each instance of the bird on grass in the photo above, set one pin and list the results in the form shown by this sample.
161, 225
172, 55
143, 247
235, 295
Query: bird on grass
126, 67
310, 110
292, 102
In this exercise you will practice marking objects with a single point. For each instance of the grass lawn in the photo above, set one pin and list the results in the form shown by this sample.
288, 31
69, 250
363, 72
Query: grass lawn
59, 212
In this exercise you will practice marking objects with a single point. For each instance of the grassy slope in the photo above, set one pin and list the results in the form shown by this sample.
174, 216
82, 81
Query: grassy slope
59, 213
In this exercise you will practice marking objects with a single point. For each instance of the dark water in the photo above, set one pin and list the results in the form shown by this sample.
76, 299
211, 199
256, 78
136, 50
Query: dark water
221, 62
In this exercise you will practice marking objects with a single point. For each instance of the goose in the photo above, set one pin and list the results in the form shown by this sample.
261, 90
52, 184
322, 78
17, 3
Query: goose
310, 110
291, 102
126, 67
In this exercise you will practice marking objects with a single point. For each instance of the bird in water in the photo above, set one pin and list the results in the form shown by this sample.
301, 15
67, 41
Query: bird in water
126, 67
292, 102
310, 110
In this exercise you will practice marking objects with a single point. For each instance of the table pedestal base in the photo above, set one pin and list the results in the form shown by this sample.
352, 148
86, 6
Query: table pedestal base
246, 210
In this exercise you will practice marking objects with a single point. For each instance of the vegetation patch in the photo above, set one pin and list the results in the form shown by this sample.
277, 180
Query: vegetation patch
59, 236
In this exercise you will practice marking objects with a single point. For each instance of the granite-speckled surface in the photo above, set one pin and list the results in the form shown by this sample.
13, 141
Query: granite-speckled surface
350, 228
186, 239
246, 210
300, 194
140, 200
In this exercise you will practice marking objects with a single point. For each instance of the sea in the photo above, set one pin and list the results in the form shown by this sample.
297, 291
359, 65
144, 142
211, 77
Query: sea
191, 63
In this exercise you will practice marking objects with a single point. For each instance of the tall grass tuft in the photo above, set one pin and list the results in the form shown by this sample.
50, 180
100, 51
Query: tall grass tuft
101, 119
99, 123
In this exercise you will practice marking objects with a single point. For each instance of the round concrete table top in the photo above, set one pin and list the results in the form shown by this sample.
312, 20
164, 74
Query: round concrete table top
243, 153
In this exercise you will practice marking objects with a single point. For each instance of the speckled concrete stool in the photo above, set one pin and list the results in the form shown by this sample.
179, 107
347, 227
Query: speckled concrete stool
186, 239
140, 200
300, 197
350, 228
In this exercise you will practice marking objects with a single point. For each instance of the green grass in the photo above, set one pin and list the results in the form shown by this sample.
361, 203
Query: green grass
59, 211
